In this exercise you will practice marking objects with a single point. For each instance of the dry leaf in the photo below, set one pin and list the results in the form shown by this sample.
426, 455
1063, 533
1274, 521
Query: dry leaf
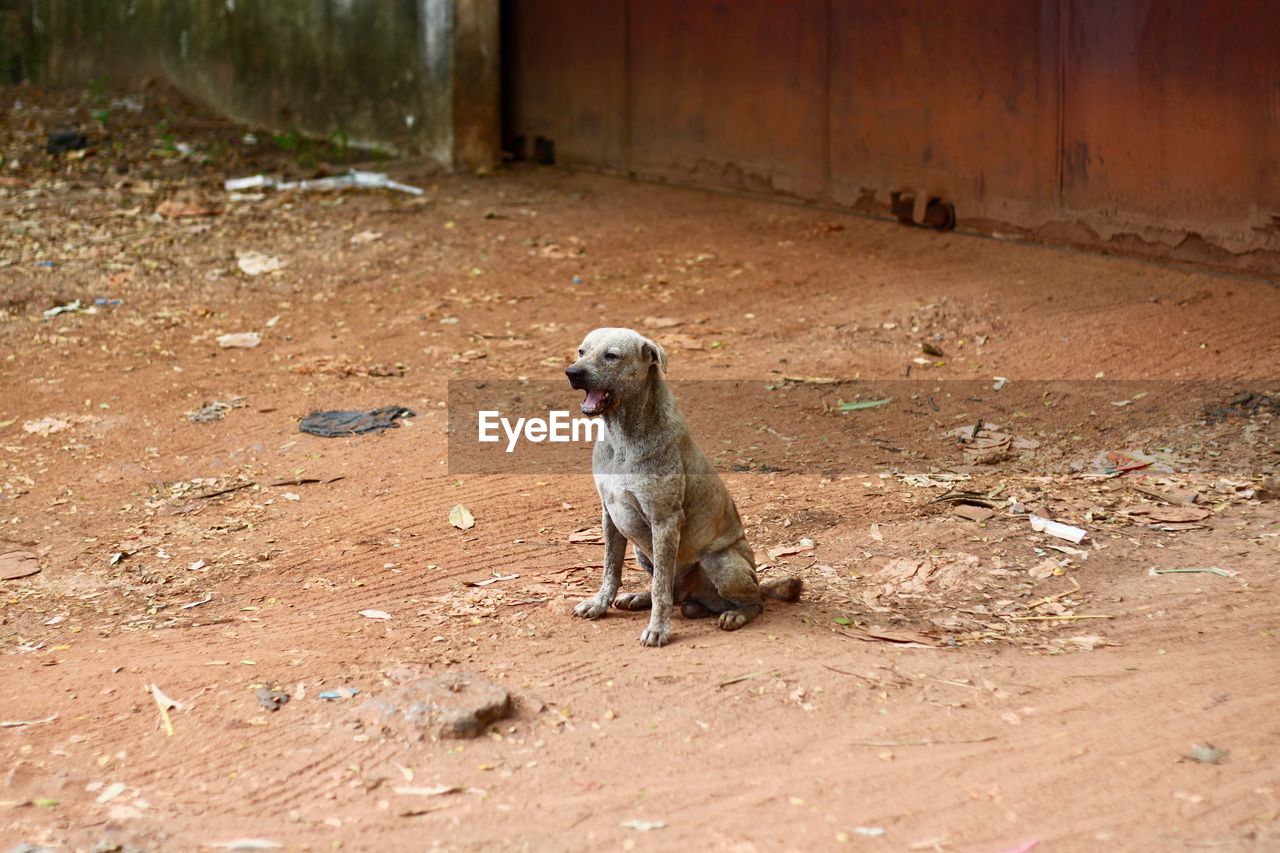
912, 639
1046, 568
432, 791
461, 517
587, 536
1168, 514
185, 203
18, 564
256, 263
972, 513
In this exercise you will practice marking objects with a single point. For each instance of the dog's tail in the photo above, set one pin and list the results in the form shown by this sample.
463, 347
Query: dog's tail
782, 589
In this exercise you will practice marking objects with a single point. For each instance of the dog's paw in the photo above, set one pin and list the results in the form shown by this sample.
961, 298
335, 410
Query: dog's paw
652, 636
732, 620
633, 601
591, 608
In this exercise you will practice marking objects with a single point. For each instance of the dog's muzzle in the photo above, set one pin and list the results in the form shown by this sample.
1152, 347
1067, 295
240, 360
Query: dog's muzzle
597, 399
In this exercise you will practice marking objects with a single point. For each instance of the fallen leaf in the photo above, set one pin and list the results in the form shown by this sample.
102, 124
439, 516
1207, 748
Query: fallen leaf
375, 614
1046, 568
185, 203
112, 791
1169, 514
18, 564
495, 579
785, 551
642, 825
46, 426
165, 703
856, 405
910, 639
662, 322
256, 263
461, 517
587, 536
430, 791
1207, 753
17, 724
972, 513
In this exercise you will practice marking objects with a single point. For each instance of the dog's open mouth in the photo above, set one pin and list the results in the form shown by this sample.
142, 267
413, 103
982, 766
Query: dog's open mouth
595, 403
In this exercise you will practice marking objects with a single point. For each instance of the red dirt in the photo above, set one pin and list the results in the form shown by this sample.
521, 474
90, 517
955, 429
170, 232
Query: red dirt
792, 733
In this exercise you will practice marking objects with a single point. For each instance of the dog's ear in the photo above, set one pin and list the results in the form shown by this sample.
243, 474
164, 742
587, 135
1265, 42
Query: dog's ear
654, 352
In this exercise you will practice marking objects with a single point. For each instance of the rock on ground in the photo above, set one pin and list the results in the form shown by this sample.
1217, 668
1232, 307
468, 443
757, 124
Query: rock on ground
454, 705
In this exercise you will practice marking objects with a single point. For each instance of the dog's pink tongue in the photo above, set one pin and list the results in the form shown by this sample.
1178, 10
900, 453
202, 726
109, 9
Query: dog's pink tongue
594, 401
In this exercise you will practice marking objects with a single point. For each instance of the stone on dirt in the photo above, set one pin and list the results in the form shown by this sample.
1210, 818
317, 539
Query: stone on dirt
454, 705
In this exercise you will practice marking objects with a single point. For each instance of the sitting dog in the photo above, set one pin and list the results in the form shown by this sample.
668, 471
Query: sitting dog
660, 493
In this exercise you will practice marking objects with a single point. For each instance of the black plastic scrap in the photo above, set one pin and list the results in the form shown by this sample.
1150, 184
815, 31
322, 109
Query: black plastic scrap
62, 141
336, 424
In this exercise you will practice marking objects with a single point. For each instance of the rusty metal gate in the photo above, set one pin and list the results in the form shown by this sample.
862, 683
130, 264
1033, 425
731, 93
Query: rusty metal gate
1147, 126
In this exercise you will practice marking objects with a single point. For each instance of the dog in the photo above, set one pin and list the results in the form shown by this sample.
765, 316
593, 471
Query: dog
660, 493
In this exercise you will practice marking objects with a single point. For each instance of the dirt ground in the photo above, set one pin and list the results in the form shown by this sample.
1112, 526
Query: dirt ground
944, 684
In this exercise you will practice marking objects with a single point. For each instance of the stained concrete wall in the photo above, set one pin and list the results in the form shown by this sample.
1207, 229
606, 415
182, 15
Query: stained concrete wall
416, 77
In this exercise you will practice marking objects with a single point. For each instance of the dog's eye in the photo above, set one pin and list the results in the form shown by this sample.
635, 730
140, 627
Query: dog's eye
581, 352
611, 356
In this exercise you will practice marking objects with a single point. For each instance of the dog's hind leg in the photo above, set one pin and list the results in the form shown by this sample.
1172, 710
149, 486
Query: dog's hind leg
737, 591
692, 608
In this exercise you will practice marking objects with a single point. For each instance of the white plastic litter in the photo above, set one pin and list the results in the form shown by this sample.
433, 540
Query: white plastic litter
1058, 529
239, 340
354, 179
70, 308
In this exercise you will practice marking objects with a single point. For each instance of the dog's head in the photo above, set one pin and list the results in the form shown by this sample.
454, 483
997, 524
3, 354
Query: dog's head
612, 365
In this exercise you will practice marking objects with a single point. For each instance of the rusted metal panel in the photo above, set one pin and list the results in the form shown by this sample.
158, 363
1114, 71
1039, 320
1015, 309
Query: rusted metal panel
1138, 125
1172, 117
730, 93
564, 77
953, 99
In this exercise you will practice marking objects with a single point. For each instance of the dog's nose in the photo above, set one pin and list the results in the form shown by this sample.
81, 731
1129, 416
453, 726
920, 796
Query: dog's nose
574, 372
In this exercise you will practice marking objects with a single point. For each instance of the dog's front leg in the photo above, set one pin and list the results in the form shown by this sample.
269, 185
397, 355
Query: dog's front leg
666, 546
615, 547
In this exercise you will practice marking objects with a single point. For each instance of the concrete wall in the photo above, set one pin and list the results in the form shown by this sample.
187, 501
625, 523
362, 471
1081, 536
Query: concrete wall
415, 77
